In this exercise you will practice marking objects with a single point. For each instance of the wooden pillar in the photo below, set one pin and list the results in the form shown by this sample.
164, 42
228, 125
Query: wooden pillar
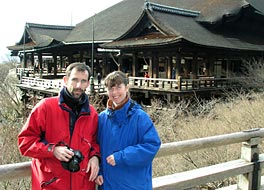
32, 59
40, 65
155, 67
210, 65
194, 66
135, 65
120, 63
207, 65
40, 61
228, 67
61, 63
55, 60
170, 66
250, 153
150, 67
81, 56
70, 58
25, 59
178, 65
105, 69
109, 63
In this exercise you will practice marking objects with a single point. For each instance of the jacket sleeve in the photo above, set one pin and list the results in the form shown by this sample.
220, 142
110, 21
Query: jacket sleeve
31, 141
149, 143
95, 150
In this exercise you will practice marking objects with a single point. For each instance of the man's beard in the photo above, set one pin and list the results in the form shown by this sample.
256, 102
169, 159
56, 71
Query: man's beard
77, 93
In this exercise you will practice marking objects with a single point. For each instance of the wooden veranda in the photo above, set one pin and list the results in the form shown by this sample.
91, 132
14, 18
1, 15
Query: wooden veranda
34, 88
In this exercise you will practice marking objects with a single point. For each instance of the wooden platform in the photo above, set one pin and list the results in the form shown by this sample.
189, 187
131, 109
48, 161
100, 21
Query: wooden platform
140, 87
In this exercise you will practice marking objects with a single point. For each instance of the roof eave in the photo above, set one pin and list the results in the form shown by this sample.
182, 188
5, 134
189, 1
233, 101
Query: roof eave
87, 42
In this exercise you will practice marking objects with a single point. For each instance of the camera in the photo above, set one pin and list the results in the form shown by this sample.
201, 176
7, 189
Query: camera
73, 164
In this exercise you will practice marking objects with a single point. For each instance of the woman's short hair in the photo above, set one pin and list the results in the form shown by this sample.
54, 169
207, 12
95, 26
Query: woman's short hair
115, 78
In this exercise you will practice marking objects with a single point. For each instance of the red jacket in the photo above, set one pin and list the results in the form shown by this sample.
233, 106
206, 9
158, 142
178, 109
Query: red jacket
48, 124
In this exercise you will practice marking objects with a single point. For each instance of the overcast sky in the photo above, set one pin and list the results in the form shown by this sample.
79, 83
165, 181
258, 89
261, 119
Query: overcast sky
15, 13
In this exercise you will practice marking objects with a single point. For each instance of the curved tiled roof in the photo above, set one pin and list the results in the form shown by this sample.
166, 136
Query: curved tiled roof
113, 22
180, 19
188, 24
41, 31
41, 35
108, 24
196, 33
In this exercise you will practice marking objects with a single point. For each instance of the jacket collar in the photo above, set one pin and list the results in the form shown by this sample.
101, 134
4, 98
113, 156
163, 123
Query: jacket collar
125, 111
112, 106
65, 105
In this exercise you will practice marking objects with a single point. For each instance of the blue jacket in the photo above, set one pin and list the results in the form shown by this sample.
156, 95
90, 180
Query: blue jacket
129, 134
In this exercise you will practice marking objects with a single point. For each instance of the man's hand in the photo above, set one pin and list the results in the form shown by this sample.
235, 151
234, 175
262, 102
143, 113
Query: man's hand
93, 166
99, 180
62, 153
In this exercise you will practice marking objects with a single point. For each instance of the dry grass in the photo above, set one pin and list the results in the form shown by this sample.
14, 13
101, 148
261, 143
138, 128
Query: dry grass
236, 113
175, 123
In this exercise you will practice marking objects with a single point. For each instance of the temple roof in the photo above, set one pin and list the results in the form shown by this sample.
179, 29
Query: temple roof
40, 35
118, 19
198, 26
156, 22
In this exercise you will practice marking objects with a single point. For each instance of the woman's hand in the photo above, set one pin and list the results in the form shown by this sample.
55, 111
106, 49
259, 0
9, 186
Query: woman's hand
111, 160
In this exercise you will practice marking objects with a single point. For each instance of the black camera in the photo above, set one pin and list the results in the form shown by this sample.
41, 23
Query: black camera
73, 164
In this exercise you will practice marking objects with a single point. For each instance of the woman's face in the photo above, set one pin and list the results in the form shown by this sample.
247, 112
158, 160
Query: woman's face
117, 93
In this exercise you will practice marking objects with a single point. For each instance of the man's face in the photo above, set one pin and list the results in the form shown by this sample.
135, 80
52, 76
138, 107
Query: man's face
77, 82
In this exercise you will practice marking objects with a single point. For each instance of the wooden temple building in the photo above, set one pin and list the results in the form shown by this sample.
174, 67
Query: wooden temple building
184, 45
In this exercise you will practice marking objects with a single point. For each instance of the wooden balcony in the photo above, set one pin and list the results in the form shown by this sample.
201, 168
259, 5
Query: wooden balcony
137, 84
176, 85
46, 84
181, 88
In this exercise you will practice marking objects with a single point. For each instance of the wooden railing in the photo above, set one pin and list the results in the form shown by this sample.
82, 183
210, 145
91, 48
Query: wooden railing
24, 71
30, 71
247, 168
168, 85
57, 84
153, 83
180, 84
42, 83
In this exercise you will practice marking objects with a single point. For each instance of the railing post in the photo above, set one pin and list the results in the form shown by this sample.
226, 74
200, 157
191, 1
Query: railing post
250, 153
91, 85
179, 83
134, 82
148, 83
161, 84
41, 73
140, 82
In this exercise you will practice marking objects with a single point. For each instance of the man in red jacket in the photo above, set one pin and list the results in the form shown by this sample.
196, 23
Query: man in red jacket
60, 137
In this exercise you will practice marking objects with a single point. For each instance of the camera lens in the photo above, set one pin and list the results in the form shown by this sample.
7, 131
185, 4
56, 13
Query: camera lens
74, 166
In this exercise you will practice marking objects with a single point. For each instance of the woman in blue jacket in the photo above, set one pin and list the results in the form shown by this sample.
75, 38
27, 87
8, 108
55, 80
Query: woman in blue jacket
128, 140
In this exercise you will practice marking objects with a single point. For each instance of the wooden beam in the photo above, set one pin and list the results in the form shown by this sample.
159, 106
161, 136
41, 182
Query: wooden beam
14, 171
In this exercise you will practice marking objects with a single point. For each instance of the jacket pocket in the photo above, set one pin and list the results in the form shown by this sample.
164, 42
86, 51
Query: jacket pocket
44, 184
